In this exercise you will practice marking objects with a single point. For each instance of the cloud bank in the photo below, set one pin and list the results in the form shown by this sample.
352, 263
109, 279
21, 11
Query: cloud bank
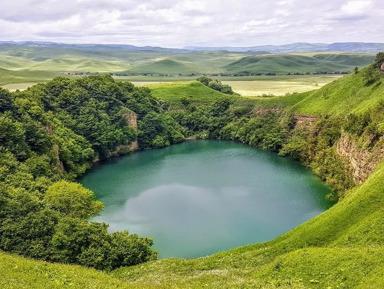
179, 23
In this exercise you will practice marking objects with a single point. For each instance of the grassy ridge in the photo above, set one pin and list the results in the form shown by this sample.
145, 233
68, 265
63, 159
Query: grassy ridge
195, 92
298, 63
348, 94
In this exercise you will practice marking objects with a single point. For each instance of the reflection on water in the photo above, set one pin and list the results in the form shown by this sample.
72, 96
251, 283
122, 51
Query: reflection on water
202, 197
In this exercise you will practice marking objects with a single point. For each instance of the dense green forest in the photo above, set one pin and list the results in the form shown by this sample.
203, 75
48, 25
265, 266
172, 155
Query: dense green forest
51, 133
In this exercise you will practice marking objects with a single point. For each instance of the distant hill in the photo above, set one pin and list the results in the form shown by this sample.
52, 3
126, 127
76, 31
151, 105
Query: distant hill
355, 47
319, 63
56, 58
164, 66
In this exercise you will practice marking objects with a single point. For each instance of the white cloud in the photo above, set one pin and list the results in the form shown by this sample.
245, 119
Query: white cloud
357, 7
177, 23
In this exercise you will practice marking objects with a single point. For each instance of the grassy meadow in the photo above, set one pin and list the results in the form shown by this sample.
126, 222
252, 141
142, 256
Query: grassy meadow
279, 85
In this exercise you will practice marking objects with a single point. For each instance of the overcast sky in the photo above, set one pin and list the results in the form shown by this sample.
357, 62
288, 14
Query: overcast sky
179, 23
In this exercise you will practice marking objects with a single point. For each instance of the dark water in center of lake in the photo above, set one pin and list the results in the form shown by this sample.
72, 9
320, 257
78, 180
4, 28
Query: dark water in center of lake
201, 197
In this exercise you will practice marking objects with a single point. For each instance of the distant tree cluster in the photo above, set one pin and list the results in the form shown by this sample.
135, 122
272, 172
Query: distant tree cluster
373, 73
215, 84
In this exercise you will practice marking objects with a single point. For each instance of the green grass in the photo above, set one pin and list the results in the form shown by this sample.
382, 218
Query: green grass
348, 94
299, 63
194, 91
58, 59
164, 66
279, 86
21, 273
24, 76
199, 94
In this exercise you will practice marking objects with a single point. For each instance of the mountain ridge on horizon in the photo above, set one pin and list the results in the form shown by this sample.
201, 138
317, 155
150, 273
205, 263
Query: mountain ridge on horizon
352, 47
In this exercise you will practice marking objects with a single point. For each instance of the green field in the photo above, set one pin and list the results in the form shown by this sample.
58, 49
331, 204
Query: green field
280, 85
174, 92
168, 87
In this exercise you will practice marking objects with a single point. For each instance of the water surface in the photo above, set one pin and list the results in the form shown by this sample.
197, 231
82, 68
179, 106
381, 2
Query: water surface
201, 197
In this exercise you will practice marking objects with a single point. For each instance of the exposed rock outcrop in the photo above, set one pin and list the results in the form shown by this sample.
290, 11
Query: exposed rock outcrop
305, 121
362, 161
131, 119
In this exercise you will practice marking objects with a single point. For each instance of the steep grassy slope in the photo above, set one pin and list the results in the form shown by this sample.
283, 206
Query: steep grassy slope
350, 94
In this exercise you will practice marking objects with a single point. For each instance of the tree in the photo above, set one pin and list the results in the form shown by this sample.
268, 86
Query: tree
371, 74
220, 106
204, 80
72, 200
379, 60
5, 100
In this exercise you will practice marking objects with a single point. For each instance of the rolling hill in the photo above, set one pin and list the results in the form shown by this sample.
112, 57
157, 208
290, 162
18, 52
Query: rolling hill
282, 64
52, 58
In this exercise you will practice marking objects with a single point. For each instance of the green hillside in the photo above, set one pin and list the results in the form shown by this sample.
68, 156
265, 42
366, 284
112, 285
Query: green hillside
24, 76
195, 92
164, 66
298, 63
74, 60
350, 94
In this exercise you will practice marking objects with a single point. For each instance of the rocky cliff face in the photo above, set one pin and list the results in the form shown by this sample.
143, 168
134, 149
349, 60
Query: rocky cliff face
362, 161
305, 121
131, 119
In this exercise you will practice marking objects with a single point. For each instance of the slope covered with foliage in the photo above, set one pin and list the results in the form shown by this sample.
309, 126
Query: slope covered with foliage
51, 134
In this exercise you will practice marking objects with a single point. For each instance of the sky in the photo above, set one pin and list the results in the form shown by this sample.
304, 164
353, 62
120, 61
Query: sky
181, 23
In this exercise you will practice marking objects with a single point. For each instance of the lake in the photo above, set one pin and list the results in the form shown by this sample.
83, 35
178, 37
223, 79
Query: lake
202, 197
